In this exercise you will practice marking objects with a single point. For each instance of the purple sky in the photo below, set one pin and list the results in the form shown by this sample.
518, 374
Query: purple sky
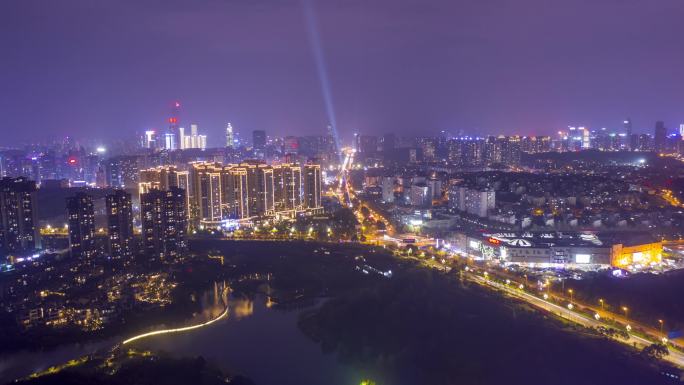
108, 69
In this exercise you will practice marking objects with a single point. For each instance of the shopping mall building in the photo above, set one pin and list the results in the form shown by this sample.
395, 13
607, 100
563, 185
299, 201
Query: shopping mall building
557, 249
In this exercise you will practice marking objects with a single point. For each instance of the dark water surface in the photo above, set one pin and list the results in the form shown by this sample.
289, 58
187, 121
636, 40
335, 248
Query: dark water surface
255, 340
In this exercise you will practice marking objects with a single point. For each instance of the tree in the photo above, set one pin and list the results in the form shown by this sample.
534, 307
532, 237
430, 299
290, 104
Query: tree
655, 351
345, 222
364, 211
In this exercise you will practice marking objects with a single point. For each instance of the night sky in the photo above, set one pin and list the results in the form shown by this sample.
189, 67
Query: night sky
107, 69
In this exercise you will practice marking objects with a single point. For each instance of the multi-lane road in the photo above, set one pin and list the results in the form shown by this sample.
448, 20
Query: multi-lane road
675, 356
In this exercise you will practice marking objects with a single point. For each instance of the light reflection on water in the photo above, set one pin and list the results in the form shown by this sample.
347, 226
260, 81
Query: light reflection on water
261, 343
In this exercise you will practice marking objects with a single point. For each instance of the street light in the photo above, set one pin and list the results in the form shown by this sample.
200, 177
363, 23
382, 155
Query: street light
571, 296
626, 310
601, 301
661, 322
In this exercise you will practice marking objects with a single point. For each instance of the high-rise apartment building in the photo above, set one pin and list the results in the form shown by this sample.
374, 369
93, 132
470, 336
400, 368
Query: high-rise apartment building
288, 187
207, 193
164, 222
81, 221
17, 216
119, 208
163, 178
312, 186
472, 201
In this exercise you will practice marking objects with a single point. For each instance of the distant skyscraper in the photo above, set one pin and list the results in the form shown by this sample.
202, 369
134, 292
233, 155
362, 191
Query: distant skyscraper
230, 140
120, 224
681, 130
164, 222
81, 220
628, 127
194, 140
367, 144
149, 140
389, 142
312, 186
660, 137
17, 216
291, 145
259, 139
172, 136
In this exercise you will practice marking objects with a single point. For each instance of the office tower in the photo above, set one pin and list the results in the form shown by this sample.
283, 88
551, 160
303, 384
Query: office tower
120, 224
149, 140
627, 123
194, 140
660, 137
181, 138
169, 141
202, 141
681, 130
586, 138
172, 136
164, 222
81, 220
259, 139
230, 140
288, 187
312, 186
17, 216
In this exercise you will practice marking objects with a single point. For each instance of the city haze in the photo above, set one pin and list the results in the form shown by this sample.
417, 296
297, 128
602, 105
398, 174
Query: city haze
112, 69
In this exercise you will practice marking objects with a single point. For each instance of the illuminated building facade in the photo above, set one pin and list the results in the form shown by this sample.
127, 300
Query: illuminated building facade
312, 186
217, 194
288, 187
163, 178
557, 249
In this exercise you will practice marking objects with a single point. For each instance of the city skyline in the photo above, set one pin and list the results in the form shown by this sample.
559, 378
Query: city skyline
378, 192
389, 67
